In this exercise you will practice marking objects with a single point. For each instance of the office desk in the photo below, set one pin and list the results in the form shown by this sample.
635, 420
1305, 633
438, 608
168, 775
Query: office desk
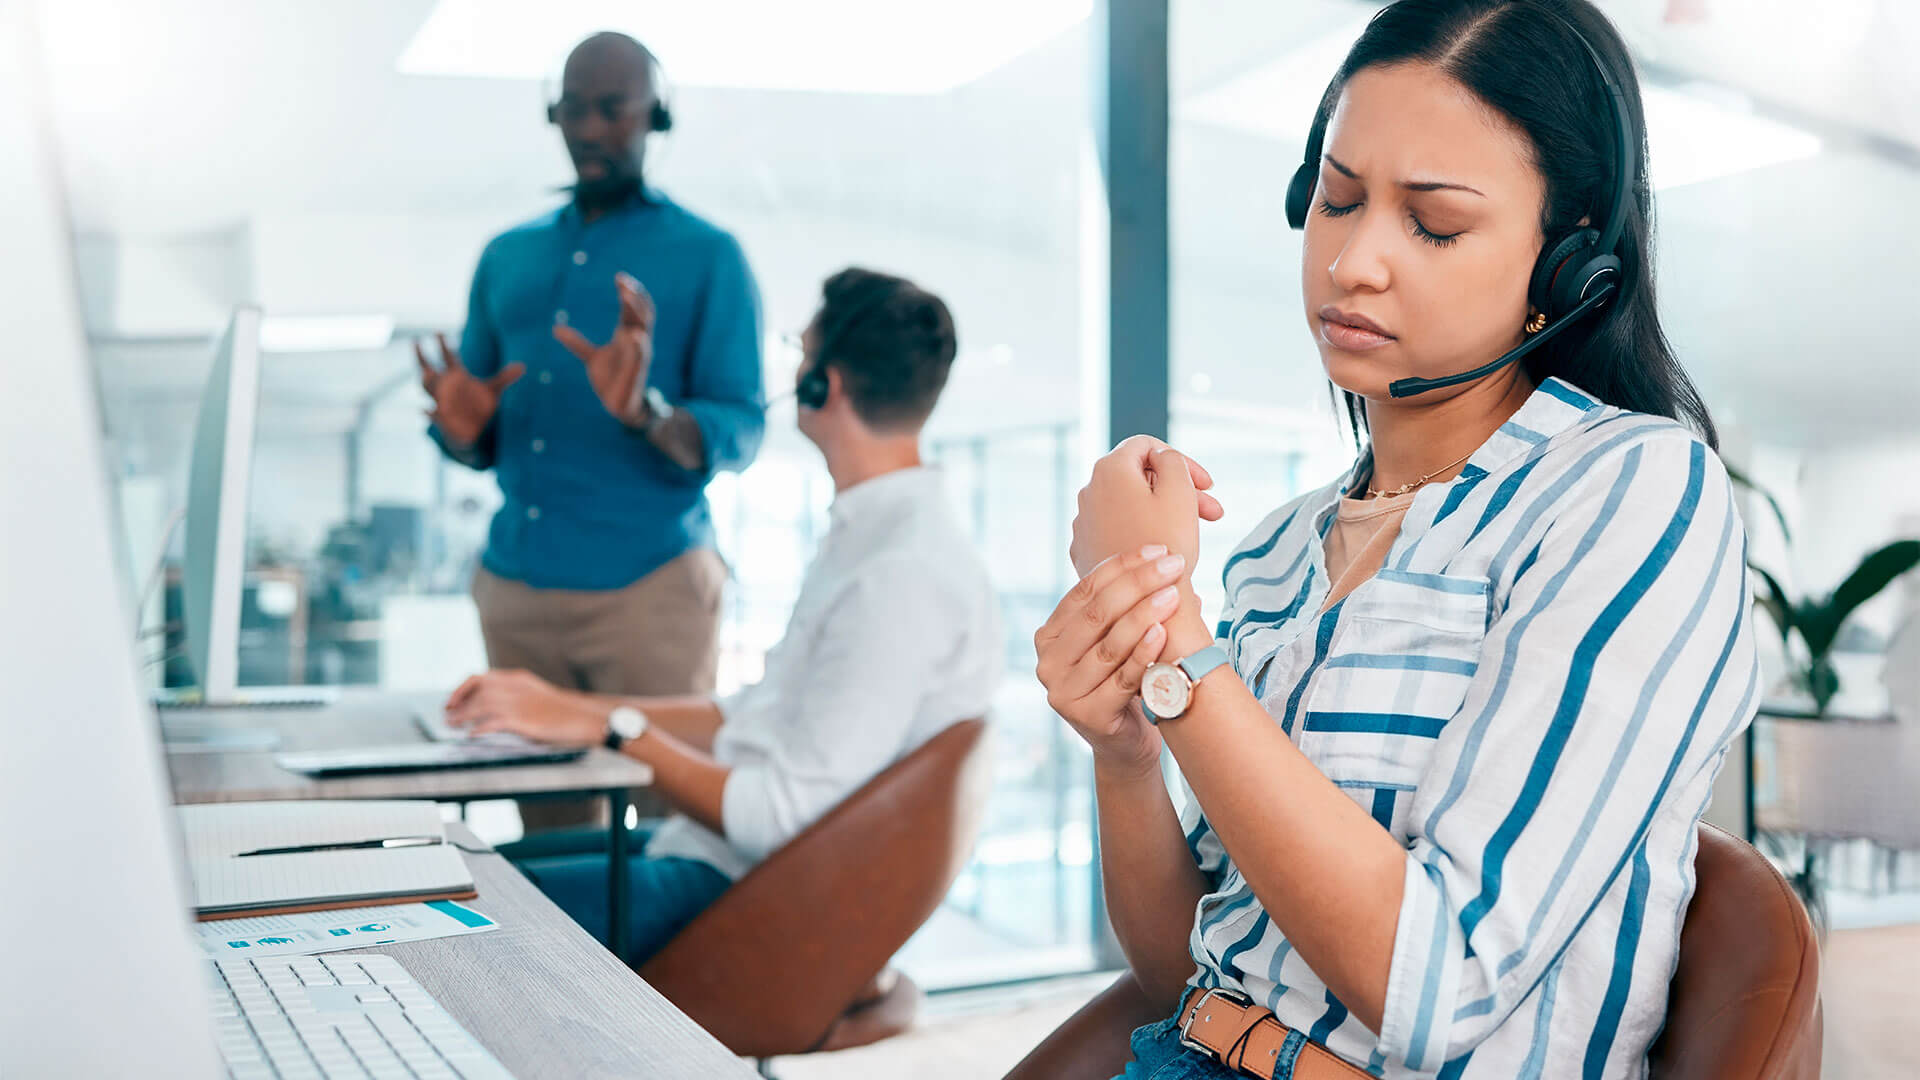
547, 999
372, 718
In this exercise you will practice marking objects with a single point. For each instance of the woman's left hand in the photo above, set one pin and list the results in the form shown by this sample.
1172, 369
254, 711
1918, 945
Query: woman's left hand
1142, 492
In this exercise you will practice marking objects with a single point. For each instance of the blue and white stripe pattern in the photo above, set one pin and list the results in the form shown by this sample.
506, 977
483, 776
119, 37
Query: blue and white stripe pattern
1534, 696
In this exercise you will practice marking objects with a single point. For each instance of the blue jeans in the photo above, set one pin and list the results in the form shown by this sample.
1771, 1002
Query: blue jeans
663, 895
1158, 1055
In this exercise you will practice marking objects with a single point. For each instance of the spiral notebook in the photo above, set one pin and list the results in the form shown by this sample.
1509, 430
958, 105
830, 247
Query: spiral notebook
228, 884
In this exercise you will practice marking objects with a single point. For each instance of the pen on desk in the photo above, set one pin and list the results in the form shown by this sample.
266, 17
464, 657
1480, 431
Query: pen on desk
389, 842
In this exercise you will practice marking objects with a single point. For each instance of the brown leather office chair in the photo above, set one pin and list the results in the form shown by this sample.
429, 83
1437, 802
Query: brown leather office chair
775, 966
1744, 1002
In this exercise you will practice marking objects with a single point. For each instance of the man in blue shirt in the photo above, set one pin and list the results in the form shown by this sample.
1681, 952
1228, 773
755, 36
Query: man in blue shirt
609, 368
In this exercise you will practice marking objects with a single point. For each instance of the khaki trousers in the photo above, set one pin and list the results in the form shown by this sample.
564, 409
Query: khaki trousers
658, 636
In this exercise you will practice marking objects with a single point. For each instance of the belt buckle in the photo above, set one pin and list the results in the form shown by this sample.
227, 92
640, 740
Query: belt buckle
1239, 998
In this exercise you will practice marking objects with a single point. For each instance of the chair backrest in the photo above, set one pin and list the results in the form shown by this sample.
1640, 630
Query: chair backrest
1743, 1004
1745, 1000
776, 960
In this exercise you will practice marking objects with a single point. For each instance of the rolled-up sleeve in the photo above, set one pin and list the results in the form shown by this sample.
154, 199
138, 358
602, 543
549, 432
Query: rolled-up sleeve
725, 393
879, 641
1610, 681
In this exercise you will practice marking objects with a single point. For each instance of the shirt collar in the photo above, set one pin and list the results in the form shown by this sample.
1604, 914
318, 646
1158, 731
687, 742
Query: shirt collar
877, 496
646, 195
1553, 407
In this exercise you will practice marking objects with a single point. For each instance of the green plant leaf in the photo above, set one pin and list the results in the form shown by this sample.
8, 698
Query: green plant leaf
1822, 682
1745, 481
1775, 602
1874, 573
1817, 625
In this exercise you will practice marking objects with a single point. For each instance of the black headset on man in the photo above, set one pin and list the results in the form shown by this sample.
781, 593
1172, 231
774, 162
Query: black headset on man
1575, 275
659, 117
812, 389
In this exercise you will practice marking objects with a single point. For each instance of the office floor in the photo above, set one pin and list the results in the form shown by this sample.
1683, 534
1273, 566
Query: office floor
1867, 987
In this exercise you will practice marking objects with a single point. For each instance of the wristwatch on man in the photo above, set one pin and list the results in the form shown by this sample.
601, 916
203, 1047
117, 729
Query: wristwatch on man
624, 724
657, 411
1167, 689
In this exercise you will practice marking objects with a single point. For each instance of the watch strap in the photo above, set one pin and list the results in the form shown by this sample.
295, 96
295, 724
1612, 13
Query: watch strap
1201, 664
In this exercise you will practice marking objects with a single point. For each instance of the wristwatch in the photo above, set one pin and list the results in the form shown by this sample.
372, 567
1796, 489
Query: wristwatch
658, 410
1167, 689
624, 724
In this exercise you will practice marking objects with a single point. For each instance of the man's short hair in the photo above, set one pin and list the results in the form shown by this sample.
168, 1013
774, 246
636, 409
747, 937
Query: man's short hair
893, 343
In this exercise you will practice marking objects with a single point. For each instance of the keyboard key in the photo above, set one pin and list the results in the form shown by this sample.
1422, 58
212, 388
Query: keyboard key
347, 971
311, 971
385, 969
299, 1070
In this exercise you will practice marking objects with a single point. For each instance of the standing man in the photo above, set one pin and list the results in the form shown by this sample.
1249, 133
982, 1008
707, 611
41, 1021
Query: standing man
600, 572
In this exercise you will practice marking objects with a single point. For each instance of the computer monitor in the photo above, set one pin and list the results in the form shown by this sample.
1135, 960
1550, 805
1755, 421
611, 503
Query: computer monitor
101, 973
217, 491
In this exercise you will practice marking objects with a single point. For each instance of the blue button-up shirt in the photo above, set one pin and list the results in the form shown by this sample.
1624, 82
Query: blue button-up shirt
590, 503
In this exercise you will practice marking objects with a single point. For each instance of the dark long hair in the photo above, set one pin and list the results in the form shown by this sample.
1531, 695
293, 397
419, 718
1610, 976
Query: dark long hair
1520, 58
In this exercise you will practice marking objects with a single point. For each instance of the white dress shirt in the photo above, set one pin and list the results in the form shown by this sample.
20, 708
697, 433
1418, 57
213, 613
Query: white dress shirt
894, 637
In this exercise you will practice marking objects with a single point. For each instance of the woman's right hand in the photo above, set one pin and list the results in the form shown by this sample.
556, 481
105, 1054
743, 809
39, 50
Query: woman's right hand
1097, 645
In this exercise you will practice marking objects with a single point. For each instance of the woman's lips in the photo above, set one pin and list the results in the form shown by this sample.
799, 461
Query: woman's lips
1351, 332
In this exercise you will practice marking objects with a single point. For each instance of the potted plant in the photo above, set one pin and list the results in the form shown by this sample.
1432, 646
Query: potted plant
1816, 621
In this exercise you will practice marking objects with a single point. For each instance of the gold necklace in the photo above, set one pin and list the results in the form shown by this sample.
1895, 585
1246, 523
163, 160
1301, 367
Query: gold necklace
1404, 488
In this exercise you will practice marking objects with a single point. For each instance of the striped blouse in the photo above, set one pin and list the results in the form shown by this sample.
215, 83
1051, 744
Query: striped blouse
1534, 696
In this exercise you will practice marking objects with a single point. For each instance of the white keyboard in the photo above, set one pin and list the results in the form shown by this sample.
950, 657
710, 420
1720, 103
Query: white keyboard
313, 1017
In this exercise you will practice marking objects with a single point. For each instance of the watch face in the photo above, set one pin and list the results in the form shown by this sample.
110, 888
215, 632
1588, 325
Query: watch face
627, 722
1165, 690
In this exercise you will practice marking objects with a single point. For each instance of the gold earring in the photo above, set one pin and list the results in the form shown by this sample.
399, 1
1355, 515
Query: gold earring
1537, 323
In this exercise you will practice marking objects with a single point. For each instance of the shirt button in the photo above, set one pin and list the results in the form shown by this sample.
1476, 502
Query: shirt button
546, 377
560, 317
539, 445
579, 258
533, 513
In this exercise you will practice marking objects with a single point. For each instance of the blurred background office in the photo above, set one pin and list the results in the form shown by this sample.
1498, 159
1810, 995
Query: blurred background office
341, 162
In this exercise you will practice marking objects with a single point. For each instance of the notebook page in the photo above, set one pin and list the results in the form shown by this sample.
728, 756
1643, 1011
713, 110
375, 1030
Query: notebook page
229, 828
215, 834
326, 876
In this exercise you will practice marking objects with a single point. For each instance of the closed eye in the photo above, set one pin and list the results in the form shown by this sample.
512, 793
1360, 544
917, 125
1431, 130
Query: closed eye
1434, 238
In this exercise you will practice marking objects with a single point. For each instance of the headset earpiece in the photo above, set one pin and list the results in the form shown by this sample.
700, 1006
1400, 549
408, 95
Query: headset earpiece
659, 118
1300, 195
1568, 272
813, 389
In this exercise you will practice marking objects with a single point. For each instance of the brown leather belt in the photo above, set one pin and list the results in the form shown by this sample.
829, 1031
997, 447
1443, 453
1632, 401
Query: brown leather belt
1228, 1027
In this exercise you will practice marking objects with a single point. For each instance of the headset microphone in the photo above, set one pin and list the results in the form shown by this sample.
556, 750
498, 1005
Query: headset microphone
1409, 387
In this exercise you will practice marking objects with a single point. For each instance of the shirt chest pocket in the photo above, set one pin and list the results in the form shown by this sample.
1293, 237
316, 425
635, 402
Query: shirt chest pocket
1407, 649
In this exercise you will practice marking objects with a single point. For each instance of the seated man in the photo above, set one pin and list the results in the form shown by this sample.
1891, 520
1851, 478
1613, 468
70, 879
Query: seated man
895, 636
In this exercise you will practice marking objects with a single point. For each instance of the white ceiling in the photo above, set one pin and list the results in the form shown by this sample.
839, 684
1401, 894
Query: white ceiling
1780, 285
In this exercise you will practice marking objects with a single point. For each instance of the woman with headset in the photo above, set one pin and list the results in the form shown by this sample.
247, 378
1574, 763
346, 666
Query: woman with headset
1442, 755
